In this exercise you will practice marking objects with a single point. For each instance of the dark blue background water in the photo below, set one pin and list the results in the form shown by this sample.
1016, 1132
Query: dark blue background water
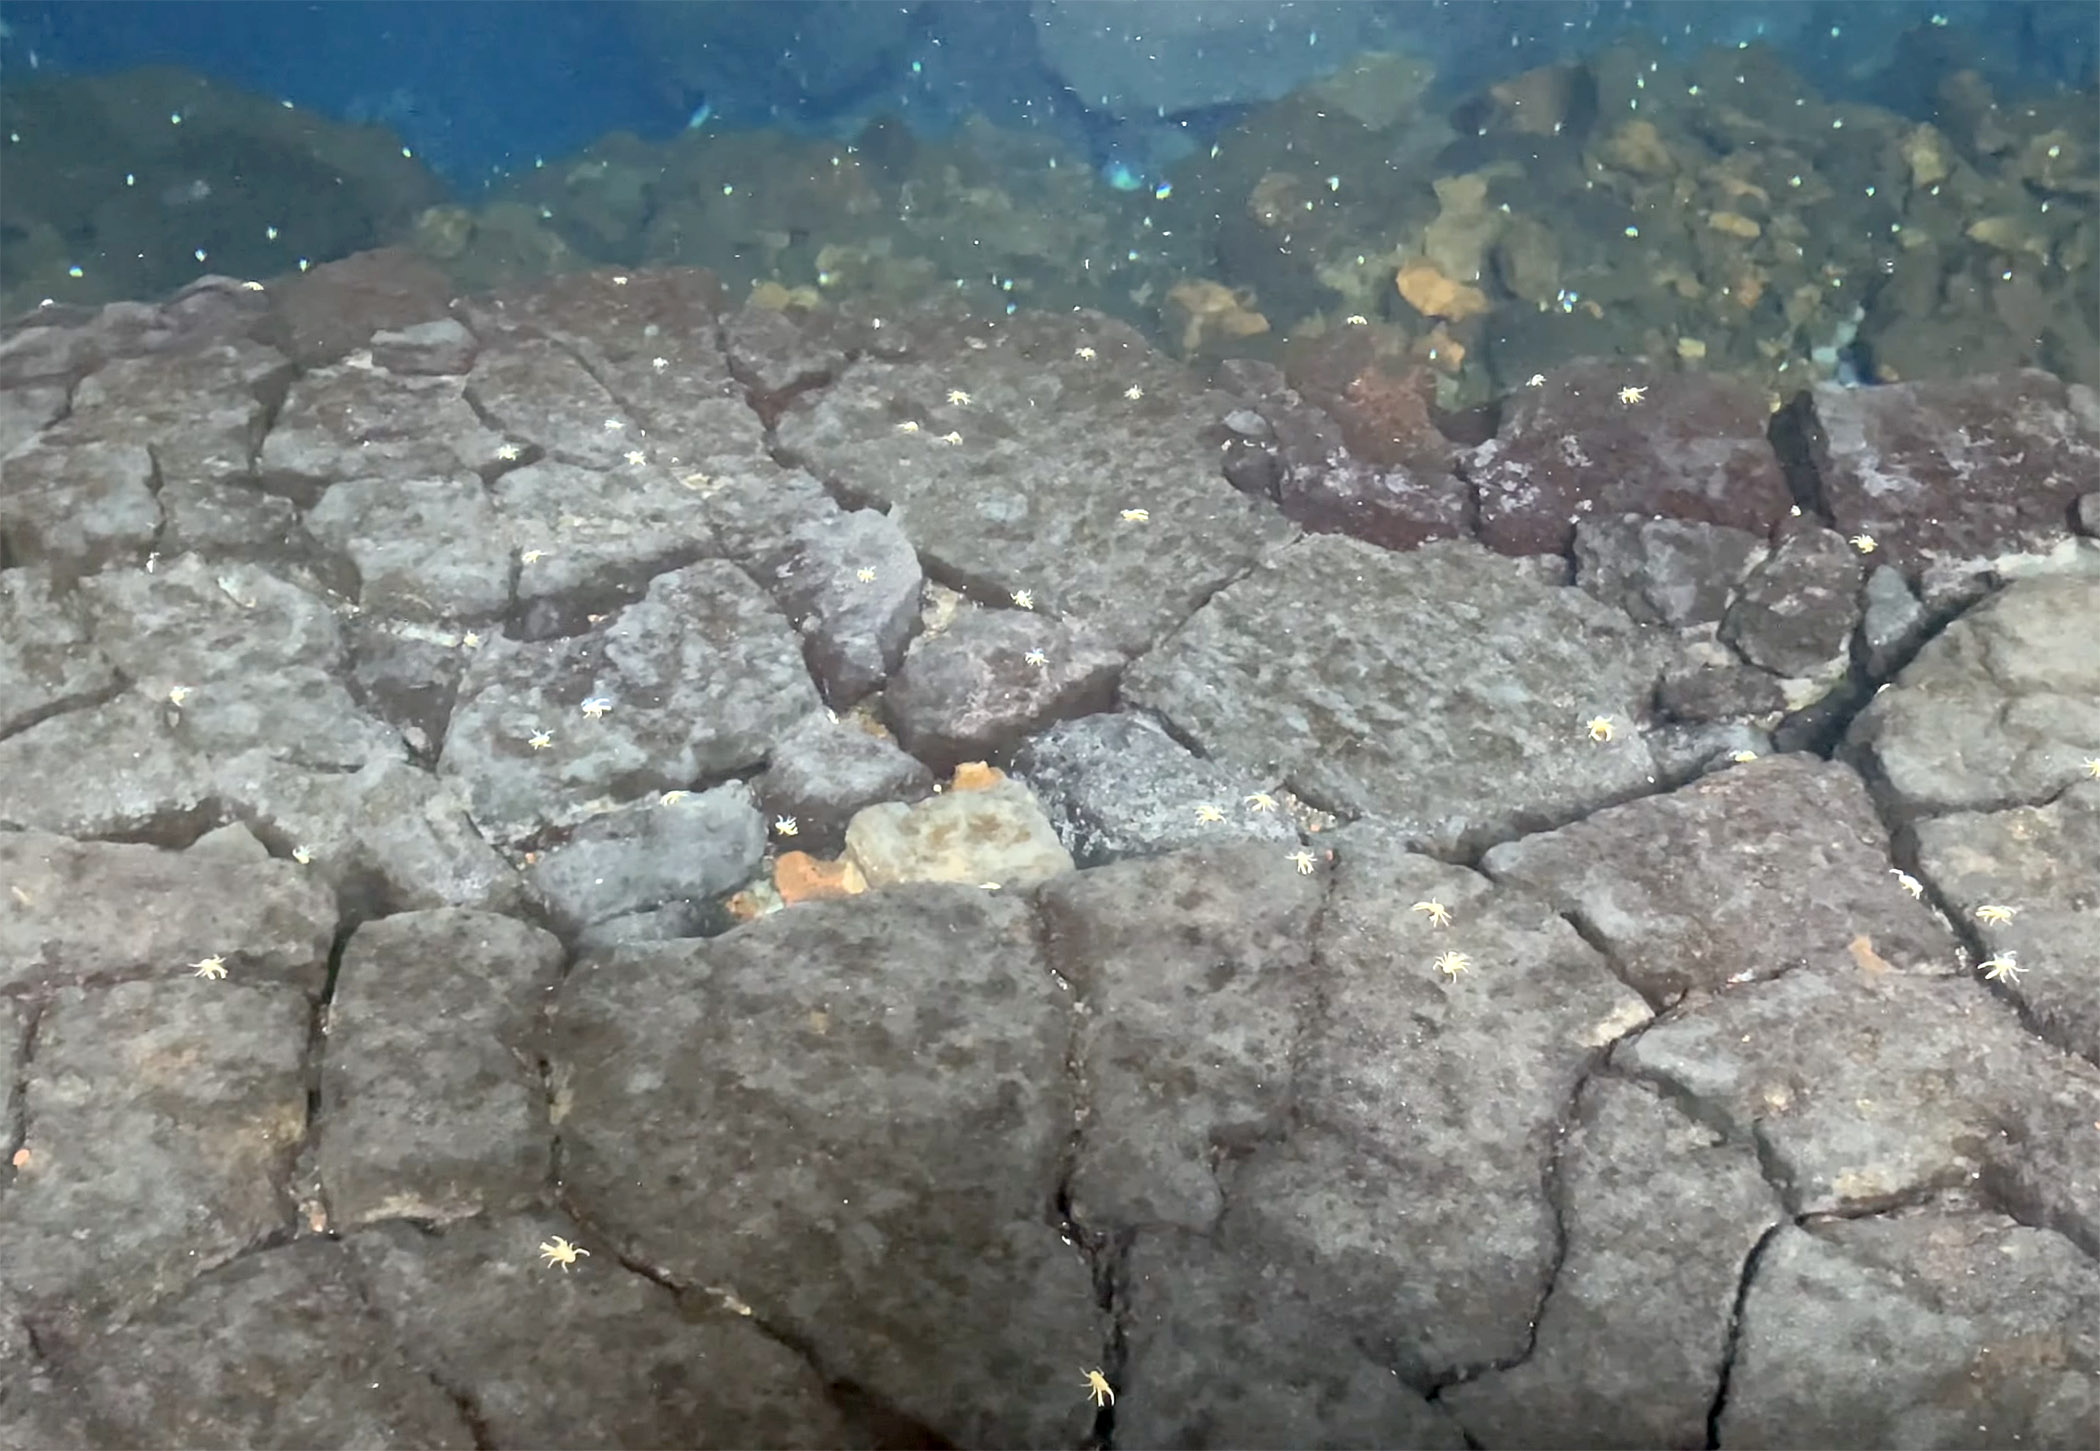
481, 88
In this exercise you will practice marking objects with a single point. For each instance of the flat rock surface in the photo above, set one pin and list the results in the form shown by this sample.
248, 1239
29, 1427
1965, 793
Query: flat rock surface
1448, 690
599, 866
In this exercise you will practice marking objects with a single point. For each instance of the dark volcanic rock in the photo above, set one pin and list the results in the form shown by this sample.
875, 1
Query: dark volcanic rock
280, 1349
1383, 1176
1999, 709
696, 681
223, 896
1338, 668
1970, 1079
1796, 612
664, 1371
851, 584
762, 1111
511, 613
1917, 1280
321, 316
1117, 786
75, 510
650, 854
1787, 829
971, 692
1053, 450
1663, 571
48, 659
823, 771
1702, 1208
162, 1111
436, 1005
1195, 973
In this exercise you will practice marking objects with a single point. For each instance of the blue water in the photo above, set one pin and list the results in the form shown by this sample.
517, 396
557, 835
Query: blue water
481, 89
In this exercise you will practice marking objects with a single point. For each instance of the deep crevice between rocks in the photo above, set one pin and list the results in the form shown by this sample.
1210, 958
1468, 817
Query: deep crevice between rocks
178, 829
301, 1163
461, 1398
120, 686
880, 1424
2006, 1192
2007, 995
1594, 938
15, 1132
1107, 1252
1731, 1345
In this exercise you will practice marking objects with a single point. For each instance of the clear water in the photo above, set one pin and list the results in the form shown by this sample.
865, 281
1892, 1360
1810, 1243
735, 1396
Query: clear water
1863, 191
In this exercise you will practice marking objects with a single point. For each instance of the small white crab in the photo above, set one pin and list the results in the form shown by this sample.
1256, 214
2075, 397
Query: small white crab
1084, 354
1260, 801
1996, 915
1356, 319
864, 574
213, 967
958, 398
1536, 380
2005, 967
1630, 395
540, 740
1024, 599
1451, 964
558, 1251
1036, 657
1205, 812
1302, 860
1133, 392
787, 826
1600, 728
597, 705
1438, 914
1864, 543
907, 426
1907, 882
1136, 516
951, 438
1098, 1388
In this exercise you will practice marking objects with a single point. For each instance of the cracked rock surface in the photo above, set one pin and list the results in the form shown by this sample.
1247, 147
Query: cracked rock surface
1607, 963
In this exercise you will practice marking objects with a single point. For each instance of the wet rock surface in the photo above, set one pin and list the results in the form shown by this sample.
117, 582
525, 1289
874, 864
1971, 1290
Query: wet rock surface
1593, 957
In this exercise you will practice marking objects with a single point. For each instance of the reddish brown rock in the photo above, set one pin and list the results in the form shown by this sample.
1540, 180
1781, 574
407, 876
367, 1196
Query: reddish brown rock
1686, 447
1951, 470
1352, 451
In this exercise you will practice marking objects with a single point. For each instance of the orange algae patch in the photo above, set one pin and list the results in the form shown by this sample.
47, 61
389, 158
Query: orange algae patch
800, 877
976, 776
